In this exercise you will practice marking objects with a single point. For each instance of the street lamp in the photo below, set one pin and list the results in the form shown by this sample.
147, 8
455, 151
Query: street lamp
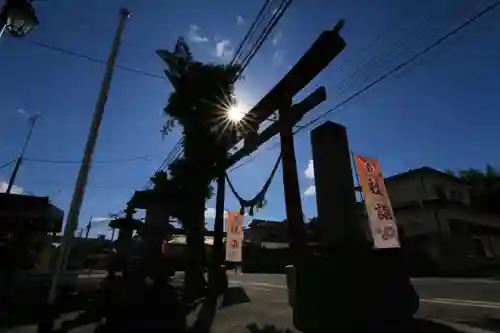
18, 17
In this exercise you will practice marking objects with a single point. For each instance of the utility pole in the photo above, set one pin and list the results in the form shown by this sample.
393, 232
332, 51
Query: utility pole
86, 163
21, 156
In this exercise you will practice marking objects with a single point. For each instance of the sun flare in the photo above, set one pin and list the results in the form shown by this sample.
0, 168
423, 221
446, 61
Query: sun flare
235, 113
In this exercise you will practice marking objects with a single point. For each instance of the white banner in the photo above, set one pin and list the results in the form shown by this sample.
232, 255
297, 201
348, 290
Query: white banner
234, 236
378, 205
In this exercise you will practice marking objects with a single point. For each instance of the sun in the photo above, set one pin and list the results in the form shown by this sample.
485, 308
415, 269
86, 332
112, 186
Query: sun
235, 113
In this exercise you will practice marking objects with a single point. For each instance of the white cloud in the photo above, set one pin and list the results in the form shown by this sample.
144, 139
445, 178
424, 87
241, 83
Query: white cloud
278, 57
210, 213
310, 191
100, 219
15, 189
223, 49
195, 36
310, 170
240, 20
277, 38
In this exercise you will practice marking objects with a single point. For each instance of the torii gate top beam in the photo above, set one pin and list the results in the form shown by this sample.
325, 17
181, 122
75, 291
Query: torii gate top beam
326, 47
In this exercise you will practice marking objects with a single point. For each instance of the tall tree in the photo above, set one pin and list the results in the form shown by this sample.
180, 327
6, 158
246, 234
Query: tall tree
484, 187
199, 104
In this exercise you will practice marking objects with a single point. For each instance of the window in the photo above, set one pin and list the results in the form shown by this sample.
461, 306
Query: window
439, 192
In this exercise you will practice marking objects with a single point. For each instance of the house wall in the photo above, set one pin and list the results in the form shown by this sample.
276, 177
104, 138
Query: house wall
421, 186
449, 186
417, 221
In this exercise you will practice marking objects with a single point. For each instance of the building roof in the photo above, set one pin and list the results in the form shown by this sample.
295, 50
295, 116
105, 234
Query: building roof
265, 223
31, 207
415, 172
418, 171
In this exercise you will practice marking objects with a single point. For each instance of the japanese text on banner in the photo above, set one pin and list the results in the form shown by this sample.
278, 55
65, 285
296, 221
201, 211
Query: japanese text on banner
378, 205
234, 238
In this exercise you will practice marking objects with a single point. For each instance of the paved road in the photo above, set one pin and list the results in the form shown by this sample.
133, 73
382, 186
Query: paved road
80, 280
475, 302
472, 301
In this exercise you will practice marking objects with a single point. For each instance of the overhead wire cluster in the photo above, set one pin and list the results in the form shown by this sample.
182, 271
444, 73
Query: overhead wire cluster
171, 157
389, 73
261, 28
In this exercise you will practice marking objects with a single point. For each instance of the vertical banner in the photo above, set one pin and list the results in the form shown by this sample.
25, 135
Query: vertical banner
234, 236
378, 205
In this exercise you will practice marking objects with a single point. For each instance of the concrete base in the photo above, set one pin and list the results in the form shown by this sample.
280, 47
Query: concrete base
363, 290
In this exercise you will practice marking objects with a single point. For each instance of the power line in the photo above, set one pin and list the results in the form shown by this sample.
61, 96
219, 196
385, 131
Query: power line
89, 58
265, 34
172, 156
391, 72
6, 164
399, 48
131, 159
250, 32
404, 63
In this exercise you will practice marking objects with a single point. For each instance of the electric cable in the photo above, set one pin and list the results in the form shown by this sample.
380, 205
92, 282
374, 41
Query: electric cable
426, 30
237, 54
131, 159
267, 30
7, 164
405, 63
89, 58
388, 74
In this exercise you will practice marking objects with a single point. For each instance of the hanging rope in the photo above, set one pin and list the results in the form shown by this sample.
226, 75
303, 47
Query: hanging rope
259, 200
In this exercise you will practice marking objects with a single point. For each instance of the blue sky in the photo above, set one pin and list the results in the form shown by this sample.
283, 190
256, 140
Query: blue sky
441, 111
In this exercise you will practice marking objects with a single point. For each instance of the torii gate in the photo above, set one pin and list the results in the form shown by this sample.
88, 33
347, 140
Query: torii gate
326, 47
351, 285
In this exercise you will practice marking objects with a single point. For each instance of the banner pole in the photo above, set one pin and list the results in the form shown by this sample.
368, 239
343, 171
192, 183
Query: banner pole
354, 166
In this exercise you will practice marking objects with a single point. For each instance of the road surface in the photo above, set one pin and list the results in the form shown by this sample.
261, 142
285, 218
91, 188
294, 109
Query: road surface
262, 299
474, 302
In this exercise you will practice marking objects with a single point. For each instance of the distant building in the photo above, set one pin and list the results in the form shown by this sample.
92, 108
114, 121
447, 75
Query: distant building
434, 214
24, 222
267, 234
440, 231
37, 212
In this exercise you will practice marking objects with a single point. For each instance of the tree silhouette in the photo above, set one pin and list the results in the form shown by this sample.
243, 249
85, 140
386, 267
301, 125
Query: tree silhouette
199, 103
484, 187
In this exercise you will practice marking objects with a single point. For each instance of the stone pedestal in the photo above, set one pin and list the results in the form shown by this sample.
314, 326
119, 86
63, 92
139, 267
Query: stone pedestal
360, 289
333, 177
349, 286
